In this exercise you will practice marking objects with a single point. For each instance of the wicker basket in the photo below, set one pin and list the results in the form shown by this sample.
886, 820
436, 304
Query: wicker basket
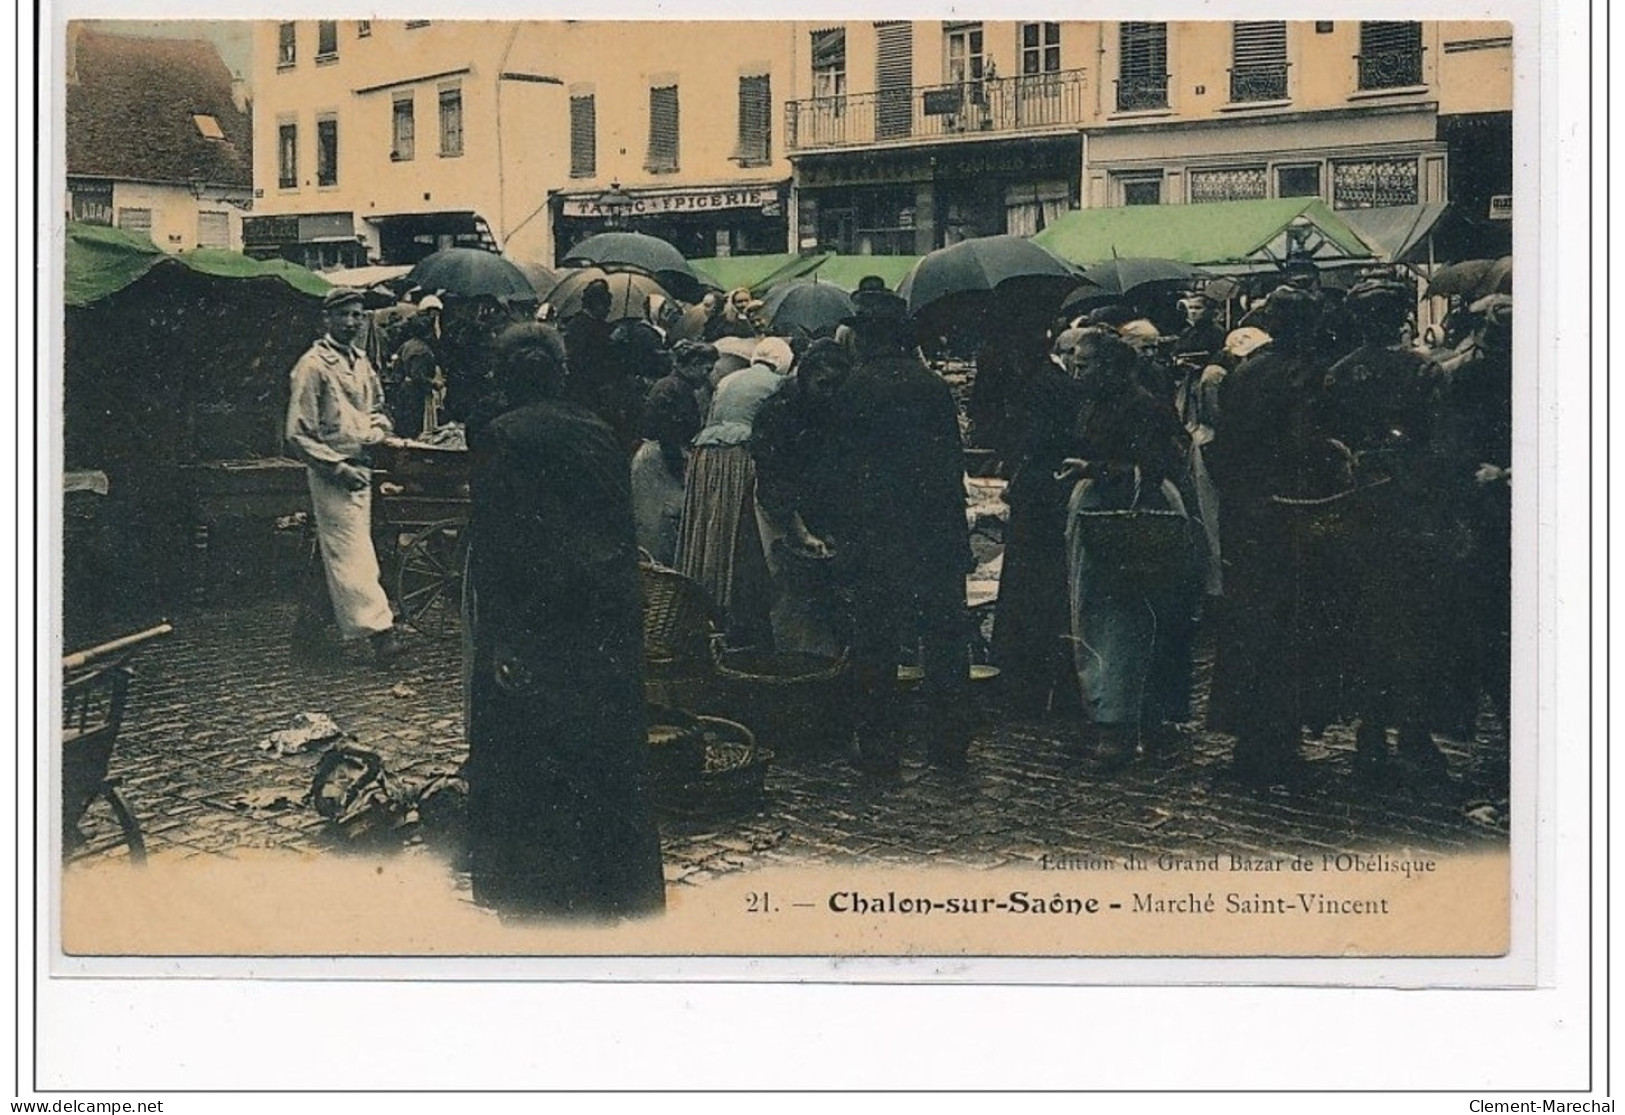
680, 634
731, 779
804, 700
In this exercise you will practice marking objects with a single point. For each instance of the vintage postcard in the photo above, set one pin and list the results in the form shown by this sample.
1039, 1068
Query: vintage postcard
793, 490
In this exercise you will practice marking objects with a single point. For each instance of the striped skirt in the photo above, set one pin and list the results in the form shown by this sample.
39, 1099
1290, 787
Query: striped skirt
719, 544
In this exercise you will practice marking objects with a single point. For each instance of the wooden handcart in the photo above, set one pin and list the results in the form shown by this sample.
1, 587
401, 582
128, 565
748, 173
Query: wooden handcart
420, 520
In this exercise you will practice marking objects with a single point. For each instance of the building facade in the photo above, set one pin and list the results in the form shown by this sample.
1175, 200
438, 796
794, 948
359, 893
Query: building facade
920, 133
159, 140
388, 140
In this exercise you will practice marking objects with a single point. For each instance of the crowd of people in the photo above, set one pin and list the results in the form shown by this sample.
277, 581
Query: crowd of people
1328, 503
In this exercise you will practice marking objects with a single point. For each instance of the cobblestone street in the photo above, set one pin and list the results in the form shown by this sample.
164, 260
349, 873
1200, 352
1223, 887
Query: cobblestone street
205, 699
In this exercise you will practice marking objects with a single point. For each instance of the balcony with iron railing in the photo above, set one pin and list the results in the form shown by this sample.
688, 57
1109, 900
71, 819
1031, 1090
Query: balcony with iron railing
1395, 68
1262, 81
1140, 92
1001, 105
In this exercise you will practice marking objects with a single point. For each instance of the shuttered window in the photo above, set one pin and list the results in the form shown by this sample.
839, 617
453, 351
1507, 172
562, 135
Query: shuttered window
451, 121
662, 130
287, 45
327, 152
403, 131
755, 121
287, 156
327, 40
829, 62
583, 136
894, 79
214, 230
138, 221
1258, 61
1142, 66
1390, 54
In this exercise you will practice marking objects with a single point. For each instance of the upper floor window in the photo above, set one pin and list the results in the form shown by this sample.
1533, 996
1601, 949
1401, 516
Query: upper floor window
414, 24
1390, 54
451, 120
1040, 49
662, 130
363, 28
755, 121
327, 40
583, 136
287, 155
327, 151
403, 128
966, 60
829, 62
1258, 61
1142, 66
287, 45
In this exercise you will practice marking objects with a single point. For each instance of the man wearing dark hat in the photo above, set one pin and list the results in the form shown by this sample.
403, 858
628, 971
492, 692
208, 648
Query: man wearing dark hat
1382, 402
335, 415
899, 530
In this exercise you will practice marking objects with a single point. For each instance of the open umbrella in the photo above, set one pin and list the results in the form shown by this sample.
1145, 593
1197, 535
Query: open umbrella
1018, 271
1472, 278
617, 251
1115, 279
629, 293
807, 307
541, 279
471, 273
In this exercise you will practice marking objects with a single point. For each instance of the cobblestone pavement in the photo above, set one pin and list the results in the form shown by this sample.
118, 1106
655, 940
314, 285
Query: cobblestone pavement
193, 770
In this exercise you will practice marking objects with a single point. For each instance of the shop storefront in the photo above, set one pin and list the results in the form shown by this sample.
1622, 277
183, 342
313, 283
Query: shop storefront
406, 238
319, 241
914, 201
701, 221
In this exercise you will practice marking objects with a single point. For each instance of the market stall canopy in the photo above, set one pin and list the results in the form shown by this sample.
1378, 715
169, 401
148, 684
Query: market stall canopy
755, 273
101, 261
847, 271
363, 277
1397, 233
1234, 236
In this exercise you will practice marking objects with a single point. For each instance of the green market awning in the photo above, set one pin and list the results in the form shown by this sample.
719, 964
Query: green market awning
733, 272
1397, 233
1224, 235
760, 274
100, 261
847, 271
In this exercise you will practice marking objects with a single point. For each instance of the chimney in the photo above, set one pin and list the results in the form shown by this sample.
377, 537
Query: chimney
239, 93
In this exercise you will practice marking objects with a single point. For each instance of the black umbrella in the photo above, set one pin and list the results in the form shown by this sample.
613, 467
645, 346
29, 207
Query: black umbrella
1116, 278
471, 273
629, 293
541, 279
617, 251
808, 307
1023, 276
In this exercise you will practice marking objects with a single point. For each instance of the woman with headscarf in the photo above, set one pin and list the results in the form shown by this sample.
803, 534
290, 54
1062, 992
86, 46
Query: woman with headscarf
559, 818
719, 544
1127, 446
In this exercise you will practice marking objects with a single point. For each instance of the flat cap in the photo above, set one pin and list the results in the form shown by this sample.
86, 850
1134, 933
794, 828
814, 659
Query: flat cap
342, 296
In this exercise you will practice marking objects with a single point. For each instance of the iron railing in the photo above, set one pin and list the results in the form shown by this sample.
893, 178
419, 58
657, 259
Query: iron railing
1390, 69
1142, 91
1261, 81
996, 105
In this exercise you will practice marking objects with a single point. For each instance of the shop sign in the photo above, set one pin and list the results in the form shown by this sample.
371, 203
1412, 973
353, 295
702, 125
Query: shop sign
1501, 207
677, 202
92, 202
326, 226
270, 230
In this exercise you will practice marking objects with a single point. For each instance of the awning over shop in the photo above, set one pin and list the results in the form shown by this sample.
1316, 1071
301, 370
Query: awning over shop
100, 261
1223, 235
1397, 233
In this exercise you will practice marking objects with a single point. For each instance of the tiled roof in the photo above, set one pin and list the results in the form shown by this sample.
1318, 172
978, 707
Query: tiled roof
130, 104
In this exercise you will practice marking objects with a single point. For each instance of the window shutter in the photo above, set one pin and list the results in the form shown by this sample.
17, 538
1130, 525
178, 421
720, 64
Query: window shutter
755, 111
894, 79
1378, 37
829, 48
1260, 43
213, 230
583, 136
451, 121
1144, 49
663, 129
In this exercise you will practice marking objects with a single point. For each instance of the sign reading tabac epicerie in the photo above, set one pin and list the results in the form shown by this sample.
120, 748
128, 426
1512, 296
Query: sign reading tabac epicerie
679, 201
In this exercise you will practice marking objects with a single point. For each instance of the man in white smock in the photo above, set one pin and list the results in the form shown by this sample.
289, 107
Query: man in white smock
335, 414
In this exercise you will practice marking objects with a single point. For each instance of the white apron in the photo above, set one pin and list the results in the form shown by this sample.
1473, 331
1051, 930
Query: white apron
344, 531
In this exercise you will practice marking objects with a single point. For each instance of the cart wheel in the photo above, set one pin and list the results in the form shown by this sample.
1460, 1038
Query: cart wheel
429, 582
127, 824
